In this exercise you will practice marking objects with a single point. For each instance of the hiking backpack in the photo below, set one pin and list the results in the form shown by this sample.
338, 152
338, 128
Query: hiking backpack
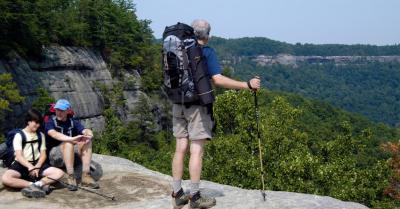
185, 73
51, 111
9, 155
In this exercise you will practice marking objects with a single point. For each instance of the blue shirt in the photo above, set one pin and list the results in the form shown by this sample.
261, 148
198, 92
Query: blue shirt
63, 127
212, 61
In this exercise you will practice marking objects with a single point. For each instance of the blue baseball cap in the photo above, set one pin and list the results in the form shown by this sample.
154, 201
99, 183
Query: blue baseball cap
62, 104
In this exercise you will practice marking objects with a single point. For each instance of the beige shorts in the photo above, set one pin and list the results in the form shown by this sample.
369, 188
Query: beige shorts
195, 123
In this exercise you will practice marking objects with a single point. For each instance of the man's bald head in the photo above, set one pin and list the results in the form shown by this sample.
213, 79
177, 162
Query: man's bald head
201, 29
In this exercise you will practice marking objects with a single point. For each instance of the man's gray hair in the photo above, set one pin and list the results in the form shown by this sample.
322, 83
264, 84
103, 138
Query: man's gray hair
201, 29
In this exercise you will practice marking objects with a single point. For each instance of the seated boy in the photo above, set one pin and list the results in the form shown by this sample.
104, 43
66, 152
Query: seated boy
29, 170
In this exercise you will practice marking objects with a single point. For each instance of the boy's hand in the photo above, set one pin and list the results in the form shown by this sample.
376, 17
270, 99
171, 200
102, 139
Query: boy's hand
34, 172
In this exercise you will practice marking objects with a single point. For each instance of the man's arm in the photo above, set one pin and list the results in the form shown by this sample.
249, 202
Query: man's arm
61, 137
223, 81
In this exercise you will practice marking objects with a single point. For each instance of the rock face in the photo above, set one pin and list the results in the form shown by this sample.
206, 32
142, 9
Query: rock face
287, 59
137, 187
67, 72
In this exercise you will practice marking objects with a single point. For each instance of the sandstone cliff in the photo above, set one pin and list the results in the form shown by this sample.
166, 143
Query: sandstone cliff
68, 72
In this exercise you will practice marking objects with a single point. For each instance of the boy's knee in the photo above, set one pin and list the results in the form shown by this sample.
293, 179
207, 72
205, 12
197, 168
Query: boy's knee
5, 179
59, 172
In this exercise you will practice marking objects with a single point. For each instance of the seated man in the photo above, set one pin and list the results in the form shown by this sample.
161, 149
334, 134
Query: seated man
66, 135
29, 163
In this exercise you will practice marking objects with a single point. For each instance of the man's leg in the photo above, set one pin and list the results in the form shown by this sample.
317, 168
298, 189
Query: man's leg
67, 150
85, 151
195, 164
178, 163
179, 199
13, 179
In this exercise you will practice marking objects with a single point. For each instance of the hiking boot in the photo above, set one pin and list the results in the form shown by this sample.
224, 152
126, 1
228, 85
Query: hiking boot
33, 191
88, 181
197, 201
179, 199
46, 188
69, 181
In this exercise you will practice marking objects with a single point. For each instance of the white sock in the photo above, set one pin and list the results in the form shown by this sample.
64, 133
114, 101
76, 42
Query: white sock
176, 185
39, 183
194, 188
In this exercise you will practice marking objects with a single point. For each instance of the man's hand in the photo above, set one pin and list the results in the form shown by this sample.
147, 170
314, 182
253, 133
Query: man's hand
86, 139
87, 136
76, 138
255, 83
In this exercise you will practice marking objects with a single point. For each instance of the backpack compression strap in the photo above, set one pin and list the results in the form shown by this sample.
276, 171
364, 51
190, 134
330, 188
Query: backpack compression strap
61, 128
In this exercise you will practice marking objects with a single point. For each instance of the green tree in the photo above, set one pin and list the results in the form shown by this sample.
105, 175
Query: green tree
9, 94
43, 100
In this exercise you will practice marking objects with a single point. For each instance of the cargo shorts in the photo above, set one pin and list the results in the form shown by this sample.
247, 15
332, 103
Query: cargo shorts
193, 122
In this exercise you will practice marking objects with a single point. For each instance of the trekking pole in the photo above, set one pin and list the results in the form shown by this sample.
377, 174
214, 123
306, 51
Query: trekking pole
111, 197
259, 145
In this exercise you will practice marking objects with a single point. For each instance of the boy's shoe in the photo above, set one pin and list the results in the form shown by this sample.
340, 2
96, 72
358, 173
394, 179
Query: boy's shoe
199, 202
179, 199
46, 188
33, 191
88, 181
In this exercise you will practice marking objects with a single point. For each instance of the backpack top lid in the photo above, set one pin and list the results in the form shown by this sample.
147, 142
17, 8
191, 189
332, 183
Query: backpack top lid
181, 30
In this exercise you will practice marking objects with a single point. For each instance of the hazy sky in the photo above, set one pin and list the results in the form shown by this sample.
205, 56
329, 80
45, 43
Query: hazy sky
292, 21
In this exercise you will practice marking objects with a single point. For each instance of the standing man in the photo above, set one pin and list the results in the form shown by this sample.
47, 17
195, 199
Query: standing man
195, 124
66, 135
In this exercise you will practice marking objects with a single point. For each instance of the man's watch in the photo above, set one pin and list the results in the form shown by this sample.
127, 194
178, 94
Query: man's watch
249, 85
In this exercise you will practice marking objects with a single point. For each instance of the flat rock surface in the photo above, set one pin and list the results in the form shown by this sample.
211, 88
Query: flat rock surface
134, 186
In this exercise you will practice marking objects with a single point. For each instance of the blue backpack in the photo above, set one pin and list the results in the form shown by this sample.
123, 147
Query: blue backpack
9, 156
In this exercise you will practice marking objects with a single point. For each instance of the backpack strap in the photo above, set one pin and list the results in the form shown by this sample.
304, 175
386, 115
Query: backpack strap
23, 137
61, 129
24, 142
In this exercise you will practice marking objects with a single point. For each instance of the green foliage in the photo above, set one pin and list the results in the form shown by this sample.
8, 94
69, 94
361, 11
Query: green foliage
42, 101
323, 156
133, 142
152, 79
9, 94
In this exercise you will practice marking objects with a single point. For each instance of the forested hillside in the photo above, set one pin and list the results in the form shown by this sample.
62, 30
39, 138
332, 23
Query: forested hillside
368, 86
